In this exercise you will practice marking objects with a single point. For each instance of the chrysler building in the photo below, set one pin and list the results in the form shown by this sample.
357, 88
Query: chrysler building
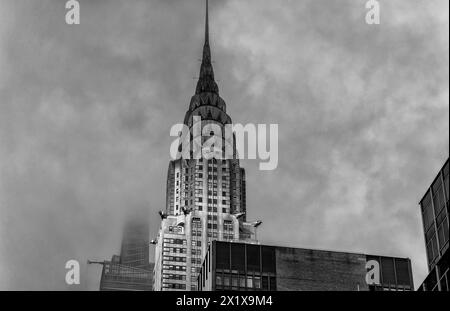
205, 197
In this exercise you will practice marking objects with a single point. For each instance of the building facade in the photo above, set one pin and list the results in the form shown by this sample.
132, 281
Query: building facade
247, 267
206, 195
435, 219
119, 277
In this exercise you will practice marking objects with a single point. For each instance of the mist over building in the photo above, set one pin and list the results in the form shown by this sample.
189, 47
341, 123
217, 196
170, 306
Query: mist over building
131, 270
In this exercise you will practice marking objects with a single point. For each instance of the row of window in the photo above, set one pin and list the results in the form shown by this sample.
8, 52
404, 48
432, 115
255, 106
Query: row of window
177, 277
213, 234
196, 243
244, 257
174, 258
211, 167
212, 209
244, 282
210, 201
211, 174
196, 261
174, 286
175, 241
175, 250
228, 236
174, 267
196, 233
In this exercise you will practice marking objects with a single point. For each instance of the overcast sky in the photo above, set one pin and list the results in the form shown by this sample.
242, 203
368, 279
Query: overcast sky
85, 114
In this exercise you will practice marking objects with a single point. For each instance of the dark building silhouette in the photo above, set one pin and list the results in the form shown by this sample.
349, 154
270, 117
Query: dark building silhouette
252, 267
435, 218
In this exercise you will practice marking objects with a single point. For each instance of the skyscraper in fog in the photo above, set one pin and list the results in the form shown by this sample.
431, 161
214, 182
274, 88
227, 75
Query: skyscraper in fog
131, 271
206, 198
134, 251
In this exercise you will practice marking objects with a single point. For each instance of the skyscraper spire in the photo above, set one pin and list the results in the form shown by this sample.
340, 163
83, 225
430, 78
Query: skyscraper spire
207, 22
206, 82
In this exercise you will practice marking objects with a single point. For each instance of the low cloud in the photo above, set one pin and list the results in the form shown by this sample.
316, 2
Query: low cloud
85, 114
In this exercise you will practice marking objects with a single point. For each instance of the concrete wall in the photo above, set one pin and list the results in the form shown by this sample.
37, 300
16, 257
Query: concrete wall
312, 270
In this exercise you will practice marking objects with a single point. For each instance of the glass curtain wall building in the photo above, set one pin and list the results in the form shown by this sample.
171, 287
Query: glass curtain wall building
435, 218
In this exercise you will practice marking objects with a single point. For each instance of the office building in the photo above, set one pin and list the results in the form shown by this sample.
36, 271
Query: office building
247, 267
131, 271
205, 196
435, 219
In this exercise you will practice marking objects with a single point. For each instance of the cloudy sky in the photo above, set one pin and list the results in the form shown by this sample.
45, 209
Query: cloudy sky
85, 114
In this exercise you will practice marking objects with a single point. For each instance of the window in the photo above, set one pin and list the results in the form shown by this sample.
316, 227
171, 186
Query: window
234, 281
265, 282
257, 282
402, 272
242, 281
218, 280
432, 249
273, 283
268, 259
388, 270
223, 256
438, 196
249, 282
226, 280
443, 234
427, 211
238, 257
253, 257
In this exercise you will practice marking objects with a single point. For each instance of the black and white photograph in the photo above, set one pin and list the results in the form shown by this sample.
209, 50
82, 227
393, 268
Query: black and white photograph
225, 151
